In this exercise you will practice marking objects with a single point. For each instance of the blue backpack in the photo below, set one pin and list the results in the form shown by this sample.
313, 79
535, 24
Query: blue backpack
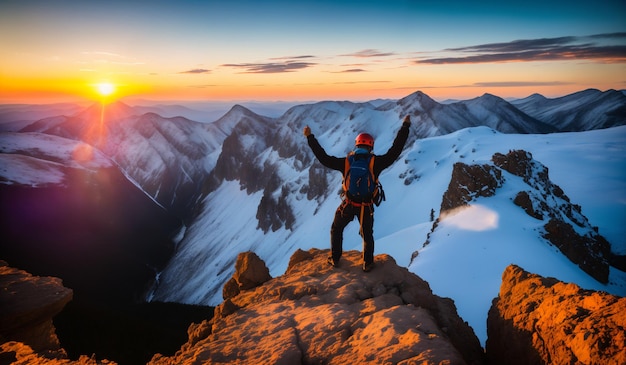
359, 183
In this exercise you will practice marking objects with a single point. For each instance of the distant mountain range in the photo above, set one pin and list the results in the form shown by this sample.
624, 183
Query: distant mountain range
249, 182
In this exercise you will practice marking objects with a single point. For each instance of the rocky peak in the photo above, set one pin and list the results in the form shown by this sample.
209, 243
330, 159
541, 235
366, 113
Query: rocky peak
469, 182
547, 201
315, 313
418, 102
537, 320
564, 224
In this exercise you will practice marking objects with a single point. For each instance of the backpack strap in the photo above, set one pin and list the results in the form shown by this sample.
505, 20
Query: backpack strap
346, 168
372, 168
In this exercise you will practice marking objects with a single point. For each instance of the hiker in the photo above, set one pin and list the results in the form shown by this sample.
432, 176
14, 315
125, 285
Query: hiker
350, 208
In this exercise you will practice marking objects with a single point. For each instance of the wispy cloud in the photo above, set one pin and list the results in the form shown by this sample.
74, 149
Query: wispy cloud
593, 47
495, 84
361, 82
270, 67
103, 57
350, 70
289, 58
196, 71
202, 86
102, 53
367, 53
518, 83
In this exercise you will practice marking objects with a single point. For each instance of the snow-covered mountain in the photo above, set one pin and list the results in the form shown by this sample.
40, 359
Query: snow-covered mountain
487, 110
52, 156
249, 182
168, 157
584, 110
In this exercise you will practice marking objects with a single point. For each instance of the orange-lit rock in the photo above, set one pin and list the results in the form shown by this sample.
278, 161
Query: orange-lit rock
537, 320
315, 313
27, 305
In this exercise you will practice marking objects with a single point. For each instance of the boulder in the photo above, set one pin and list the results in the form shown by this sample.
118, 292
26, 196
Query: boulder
537, 320
250, 272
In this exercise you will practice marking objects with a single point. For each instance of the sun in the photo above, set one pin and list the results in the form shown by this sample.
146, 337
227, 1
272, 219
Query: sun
105, 88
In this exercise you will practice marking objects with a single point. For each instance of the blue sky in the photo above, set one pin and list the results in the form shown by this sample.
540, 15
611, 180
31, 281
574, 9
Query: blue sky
310, 49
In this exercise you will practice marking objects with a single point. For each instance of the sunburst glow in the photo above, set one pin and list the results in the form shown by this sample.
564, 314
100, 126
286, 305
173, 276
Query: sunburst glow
105, 88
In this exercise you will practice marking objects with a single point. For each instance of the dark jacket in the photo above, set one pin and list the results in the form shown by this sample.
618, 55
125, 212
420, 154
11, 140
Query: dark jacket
380, 162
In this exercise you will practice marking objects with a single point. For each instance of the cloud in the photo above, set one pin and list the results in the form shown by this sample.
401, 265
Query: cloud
492, 84
202, 86
361, 82
102, 53
108, 57
293, 57
350, 70
196, 71
367, 53
136, 63
270, 67
599, 47
519, 83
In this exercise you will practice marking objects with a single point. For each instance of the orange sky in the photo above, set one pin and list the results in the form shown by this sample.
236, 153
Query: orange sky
306, 51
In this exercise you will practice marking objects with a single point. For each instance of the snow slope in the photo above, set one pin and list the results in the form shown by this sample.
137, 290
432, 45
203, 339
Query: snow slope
37, 159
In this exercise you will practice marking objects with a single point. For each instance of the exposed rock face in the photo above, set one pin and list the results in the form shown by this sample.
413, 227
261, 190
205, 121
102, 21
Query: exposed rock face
315, 313
546, 200
468, 182
537, 320
565, 226
27, 305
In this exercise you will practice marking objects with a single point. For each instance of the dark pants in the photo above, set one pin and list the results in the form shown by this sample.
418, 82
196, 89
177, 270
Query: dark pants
346, 214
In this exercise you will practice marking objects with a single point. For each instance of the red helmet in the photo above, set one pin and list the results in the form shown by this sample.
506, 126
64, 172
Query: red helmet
364, 139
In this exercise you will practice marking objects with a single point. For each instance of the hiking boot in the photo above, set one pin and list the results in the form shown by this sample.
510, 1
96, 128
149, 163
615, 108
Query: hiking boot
332, 262
368, 266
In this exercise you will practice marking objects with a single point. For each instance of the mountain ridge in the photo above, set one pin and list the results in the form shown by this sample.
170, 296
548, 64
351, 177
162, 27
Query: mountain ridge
267, 186
583, 110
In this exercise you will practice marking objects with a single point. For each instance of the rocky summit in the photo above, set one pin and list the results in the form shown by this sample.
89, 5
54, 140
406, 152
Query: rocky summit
537, 320
318, 314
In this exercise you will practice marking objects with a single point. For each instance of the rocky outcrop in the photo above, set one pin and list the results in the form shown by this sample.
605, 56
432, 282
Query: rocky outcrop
469, 182
564, 224
537, 320
315, 313
564, 220
27, 305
